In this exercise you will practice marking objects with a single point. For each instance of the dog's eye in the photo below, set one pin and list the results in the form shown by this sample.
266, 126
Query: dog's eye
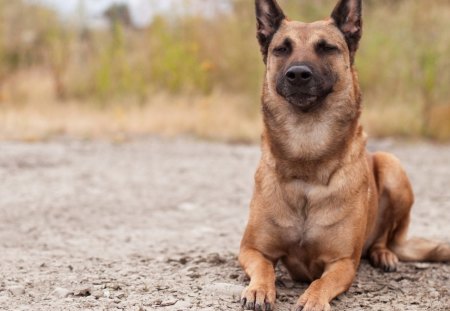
281, 50
325, 47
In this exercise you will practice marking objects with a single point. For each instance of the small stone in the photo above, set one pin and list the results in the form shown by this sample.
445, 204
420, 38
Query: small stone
286, 283
97, 294
60, 292
215, 259
83, 292
157, 302
168, 303
384, 299
422, 266
194, 275
120, 295
182, 305
233, 276
434, 294
106, 293
16, 290
115, 286
4, 299
225, 290
187, 207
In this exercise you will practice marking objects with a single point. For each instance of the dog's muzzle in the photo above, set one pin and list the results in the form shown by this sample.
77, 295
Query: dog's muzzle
303, 86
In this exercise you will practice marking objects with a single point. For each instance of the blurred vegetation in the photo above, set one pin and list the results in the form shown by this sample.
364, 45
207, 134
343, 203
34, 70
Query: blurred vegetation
403, 64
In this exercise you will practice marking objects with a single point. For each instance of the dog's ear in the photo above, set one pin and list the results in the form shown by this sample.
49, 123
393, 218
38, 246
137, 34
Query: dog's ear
348, 18
269, 17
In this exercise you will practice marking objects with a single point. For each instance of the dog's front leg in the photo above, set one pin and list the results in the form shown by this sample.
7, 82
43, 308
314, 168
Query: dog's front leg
336, 279
261, 292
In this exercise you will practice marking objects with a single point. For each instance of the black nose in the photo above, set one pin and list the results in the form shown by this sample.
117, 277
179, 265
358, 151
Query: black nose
299, 74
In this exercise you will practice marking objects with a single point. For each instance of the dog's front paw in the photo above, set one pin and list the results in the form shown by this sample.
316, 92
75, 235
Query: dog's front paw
259, 297
384, 258
311, 300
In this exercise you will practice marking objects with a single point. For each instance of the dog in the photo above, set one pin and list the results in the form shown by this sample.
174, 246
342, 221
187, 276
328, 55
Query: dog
321, 202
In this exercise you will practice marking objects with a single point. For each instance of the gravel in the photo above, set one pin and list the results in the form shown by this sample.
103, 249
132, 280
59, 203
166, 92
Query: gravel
155, 224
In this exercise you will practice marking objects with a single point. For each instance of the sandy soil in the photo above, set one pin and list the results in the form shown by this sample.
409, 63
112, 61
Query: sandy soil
154, 224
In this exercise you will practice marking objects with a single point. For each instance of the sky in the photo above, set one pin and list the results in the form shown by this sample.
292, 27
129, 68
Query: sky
141, 10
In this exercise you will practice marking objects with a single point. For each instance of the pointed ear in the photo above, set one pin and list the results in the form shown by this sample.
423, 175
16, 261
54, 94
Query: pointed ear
348, 18
269, 17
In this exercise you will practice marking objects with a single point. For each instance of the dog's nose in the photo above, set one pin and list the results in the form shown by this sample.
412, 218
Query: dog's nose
299, 74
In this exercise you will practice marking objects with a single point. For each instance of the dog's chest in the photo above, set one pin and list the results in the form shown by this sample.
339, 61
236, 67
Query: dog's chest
312, 211
308, 230
303, 220
305, 239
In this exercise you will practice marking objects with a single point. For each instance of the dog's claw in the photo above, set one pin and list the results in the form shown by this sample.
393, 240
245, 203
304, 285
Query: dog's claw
259, 297
390, 268
384, 259
243, 302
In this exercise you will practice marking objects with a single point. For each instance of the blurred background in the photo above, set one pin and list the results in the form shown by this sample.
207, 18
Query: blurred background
116, 69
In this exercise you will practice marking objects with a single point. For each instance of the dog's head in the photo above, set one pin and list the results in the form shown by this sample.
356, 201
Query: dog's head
306, 62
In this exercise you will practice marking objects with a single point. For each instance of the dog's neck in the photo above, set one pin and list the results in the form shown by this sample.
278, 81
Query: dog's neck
315, 170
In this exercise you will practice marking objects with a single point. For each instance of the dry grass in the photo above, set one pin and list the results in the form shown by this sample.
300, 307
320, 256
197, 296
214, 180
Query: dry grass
209, 118
217, 116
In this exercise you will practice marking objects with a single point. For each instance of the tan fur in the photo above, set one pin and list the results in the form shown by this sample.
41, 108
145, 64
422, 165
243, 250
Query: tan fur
321, 202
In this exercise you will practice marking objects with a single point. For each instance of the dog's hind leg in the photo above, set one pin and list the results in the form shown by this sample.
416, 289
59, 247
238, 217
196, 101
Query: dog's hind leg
396, 200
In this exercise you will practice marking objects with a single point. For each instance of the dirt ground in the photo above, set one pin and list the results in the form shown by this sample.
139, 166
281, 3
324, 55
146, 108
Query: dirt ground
155, 224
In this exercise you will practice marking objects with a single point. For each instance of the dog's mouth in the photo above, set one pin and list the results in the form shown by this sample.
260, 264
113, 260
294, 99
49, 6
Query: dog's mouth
306, 102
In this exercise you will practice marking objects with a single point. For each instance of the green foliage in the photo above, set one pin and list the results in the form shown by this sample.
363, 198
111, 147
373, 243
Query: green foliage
176, 63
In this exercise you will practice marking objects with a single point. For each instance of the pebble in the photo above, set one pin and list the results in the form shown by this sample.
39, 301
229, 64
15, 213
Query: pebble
16, 290
385, 299
187, 207
106, 293
286, 283
182, 305
434, 294
61, 292
3, 299
168, 303
194, 275
422, 266
82, 292
233, 275
114, 286
225, 290
120, 295
157, 302
97, 294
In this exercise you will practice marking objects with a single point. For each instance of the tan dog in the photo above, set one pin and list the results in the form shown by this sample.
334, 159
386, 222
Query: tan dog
321, 202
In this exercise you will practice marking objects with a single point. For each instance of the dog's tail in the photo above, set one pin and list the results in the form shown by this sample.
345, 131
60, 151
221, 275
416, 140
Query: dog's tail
418, 249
